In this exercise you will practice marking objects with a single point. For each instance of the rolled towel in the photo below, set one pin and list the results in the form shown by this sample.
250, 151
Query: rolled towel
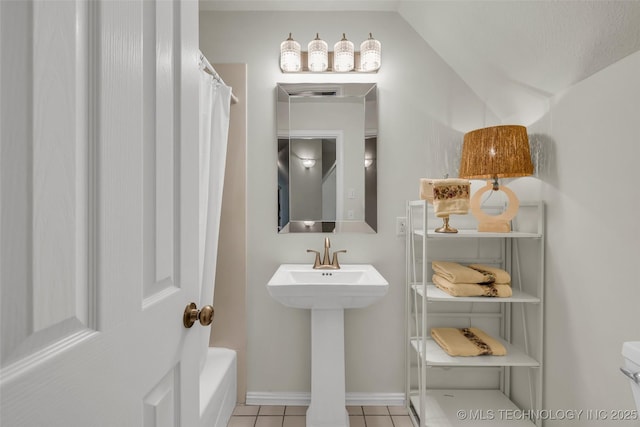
426, 190
458, 273
467, 342
496, 290
501, 276
449, 196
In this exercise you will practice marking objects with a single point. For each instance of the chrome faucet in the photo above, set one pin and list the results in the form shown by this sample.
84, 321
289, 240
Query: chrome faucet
325, 264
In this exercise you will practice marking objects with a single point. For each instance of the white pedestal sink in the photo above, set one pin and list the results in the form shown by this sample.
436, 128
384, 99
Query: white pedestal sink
327, 293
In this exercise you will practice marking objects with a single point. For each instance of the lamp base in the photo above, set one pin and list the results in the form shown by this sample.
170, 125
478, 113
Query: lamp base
494, 227
445, 227
499, 223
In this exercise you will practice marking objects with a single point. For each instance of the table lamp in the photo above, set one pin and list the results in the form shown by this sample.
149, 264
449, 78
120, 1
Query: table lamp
495, 152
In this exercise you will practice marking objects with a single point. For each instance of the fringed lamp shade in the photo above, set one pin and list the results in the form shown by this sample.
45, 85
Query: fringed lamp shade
496, 152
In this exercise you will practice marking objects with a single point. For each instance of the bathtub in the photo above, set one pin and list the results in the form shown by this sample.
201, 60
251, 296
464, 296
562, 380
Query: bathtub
218, 387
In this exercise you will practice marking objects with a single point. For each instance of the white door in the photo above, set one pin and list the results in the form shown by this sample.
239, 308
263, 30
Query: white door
99, 187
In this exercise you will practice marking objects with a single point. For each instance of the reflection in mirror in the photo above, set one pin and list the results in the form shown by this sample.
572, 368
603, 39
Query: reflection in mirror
327, 158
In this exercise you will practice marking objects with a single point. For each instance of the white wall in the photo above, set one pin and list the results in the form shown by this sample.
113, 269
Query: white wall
591, 147
422, 104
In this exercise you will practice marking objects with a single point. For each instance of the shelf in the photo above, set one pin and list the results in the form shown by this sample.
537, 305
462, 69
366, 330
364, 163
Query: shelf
475, 234
438, 357
489, 380
479, 407
434, 294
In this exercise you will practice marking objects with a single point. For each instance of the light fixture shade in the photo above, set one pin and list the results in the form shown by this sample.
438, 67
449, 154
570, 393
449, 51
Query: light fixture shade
496, 152
290, 55
370, 50
318, 55
343, 55
308, 163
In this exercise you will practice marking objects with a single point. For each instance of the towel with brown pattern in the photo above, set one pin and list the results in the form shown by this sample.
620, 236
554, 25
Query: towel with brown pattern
500, 275
467, 342
449, 196
499, 290
458, 273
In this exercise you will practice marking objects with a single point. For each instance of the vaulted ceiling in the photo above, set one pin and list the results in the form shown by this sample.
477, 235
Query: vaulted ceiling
511, 53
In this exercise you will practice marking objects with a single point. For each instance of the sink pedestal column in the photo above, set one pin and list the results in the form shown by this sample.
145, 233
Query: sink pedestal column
328, 398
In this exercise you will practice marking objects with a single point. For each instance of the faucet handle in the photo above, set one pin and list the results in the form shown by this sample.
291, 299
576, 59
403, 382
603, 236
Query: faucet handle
316, 263
335, 262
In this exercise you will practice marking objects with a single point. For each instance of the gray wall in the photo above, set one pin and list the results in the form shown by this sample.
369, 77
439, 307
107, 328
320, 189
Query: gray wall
589, 143
591, 147
422, 104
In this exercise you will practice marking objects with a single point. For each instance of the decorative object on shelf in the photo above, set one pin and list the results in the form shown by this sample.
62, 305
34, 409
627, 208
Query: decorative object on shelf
496, 152
318, 55
290, 55
343, 55
370, 50
449, 196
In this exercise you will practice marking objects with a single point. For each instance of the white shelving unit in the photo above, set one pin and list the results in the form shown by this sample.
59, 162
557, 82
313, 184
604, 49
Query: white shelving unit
485, 390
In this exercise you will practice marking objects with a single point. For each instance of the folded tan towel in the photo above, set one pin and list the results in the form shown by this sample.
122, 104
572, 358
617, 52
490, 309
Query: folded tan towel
458, 273
467, 342
498, 290
449, 196
501, 276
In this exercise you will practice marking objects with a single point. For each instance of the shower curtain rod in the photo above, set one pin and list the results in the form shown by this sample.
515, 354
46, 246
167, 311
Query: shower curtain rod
208, 68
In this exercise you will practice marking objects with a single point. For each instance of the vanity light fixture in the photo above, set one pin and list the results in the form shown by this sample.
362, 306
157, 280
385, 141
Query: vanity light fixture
318, 54
290, 55
308, 163
343, 55
496, 152
319, 59
370, 50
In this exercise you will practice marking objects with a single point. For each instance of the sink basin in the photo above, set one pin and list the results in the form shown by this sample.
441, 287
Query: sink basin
352, 286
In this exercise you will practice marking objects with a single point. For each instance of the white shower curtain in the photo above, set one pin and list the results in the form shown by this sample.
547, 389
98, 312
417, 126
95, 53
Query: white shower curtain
215, 100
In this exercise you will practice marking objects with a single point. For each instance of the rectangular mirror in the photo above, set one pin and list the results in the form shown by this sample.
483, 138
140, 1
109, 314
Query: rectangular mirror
327, 157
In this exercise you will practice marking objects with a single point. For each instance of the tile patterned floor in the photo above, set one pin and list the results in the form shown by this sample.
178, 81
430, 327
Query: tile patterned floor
294, 416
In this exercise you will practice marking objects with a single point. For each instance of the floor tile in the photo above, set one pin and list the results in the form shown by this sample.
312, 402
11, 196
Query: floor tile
356, 421
402, 421
375, 410
242, 421
354, 410
246, 410
378, 421
269, 421
296, 410
294, 421
398, 410
271, 410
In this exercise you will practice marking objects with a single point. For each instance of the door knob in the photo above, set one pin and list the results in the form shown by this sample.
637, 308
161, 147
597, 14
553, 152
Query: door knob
191, 314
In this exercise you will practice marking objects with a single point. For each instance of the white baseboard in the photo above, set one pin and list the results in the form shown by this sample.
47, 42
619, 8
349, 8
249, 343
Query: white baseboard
304, 398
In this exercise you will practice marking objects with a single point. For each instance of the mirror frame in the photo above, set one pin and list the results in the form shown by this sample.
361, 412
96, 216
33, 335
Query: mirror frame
368, 93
